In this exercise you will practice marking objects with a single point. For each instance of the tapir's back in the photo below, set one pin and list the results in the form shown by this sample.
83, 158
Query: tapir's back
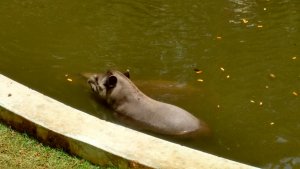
155, 115
127, 100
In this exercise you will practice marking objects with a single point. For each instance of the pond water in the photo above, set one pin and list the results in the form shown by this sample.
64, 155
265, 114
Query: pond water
247, 50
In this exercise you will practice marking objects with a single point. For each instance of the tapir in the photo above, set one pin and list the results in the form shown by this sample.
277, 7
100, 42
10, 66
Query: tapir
133, 106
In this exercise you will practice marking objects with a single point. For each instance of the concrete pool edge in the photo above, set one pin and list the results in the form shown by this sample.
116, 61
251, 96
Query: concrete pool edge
94, 139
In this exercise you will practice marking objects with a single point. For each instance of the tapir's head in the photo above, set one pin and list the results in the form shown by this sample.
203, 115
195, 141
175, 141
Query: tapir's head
101, 84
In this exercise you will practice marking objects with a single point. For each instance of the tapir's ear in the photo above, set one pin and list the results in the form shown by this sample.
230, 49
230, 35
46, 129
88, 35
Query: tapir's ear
111, 81
127, 73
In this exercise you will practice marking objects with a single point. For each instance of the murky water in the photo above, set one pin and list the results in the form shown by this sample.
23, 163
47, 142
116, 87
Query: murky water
248, 52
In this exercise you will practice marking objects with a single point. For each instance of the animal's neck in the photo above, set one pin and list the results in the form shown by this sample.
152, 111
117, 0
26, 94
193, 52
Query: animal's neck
125, 92
130, 89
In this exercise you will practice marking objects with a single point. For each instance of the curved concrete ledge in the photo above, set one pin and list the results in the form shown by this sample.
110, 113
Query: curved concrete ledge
98, 141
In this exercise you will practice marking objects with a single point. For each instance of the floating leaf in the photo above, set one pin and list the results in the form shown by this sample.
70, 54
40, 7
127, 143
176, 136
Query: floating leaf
272, 75
295, 93
198, 71
245, 20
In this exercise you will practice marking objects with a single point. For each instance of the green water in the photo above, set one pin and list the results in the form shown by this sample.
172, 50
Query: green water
248, 51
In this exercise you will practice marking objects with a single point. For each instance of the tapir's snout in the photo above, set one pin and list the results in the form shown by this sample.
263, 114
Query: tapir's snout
93, 82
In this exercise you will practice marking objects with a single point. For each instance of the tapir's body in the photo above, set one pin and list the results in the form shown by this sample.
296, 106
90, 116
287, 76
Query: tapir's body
128, 101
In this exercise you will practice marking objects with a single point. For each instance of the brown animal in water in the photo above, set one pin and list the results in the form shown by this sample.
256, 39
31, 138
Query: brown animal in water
132, 105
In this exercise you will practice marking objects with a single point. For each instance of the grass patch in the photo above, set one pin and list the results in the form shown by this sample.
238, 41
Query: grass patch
21, 151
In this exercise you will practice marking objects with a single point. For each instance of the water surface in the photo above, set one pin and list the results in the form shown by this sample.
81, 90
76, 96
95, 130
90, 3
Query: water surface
248, 52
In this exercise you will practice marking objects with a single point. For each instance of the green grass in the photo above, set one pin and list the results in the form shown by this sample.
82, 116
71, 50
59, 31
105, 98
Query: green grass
21, 151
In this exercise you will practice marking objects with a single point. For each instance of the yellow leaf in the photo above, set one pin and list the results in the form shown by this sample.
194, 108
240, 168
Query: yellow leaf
199, 71
245, 20
295, 93
272, 75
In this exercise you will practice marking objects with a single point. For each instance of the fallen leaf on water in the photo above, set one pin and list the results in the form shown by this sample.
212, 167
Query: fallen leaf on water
228, 76
222, 69
245, 20
70, 80
272, 123
252, 101
272, 75
219, 37
260, 103
259, 26
294, 58
200, 80
265, 9
295, 93
198, 71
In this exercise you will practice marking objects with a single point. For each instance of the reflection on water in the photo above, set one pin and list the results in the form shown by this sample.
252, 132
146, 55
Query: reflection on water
247, 51
285, 163
243, 6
